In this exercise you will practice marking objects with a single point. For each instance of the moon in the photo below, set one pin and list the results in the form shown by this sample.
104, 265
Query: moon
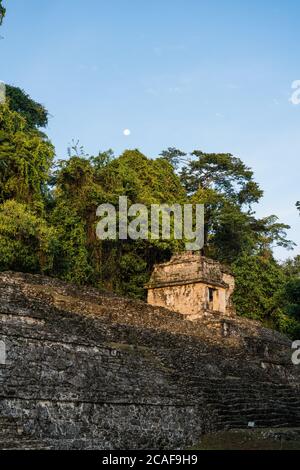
127, 132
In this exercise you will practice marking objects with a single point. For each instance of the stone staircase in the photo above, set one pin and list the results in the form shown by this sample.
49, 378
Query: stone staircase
266, 404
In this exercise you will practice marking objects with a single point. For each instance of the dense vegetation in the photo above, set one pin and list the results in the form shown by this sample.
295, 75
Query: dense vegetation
48, 215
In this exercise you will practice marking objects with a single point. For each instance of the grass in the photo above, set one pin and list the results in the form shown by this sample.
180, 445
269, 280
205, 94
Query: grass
254, 439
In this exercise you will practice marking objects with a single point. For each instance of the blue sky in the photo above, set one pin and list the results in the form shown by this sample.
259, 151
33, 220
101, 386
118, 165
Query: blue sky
210, 75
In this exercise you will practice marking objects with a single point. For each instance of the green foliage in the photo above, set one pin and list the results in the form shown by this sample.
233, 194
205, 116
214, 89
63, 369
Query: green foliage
287, 325
72, 262
48, 215
225, 174
227, 188
142, 180
102, 159
292, 297
259, 278
287, 316
27, 243
235, 236
34, 113
76, 197
291, 266
25, 160
174, 156
224, 184
133, 274
81, 184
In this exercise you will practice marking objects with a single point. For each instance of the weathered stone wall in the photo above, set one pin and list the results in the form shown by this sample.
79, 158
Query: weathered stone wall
189, 298
85, 369
183, 284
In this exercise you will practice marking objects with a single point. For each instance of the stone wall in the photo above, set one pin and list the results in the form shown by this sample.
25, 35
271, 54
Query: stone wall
190, 298
87, 369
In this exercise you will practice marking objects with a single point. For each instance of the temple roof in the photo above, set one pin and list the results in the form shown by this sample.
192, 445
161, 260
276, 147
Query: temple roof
187, 268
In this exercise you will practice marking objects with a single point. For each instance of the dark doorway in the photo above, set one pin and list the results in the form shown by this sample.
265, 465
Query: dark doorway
211, 294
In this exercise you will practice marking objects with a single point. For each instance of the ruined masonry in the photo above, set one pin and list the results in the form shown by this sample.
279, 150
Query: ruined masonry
192, 285
83, 369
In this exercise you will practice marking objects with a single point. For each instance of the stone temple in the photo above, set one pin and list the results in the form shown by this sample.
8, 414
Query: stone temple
192, 285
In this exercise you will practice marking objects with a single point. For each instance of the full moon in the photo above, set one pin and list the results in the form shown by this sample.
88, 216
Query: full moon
127, 132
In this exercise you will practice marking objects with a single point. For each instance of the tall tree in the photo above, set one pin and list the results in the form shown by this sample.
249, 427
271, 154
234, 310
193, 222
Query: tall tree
223, 173
234, 235
174, 156
35, 114
227, 188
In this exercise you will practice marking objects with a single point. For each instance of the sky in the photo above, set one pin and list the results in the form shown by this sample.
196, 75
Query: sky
211, 75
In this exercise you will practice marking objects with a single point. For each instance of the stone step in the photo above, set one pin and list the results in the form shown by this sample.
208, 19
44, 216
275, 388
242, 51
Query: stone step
255, 406
25, 444
249, 389
249, 393
259, 418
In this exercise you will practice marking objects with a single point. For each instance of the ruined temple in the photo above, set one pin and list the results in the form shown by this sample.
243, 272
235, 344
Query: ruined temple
86, 369
192, 285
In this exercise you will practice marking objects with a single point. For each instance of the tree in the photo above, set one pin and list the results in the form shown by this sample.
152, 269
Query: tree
234, 235
27, 242
287, 317
292, 293
54, 214
224, 174
73, 259
128, 263
102, 159
76, 197
227, 188
225, 185
259, 279
142, 179
25, 160
81, 183
173, 156
291, 267
35, 114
